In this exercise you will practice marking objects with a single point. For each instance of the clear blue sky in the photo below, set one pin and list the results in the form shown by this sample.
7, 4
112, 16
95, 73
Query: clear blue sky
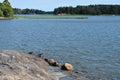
49, 5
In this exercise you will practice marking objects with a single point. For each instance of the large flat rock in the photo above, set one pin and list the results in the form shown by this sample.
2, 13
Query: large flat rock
19, 66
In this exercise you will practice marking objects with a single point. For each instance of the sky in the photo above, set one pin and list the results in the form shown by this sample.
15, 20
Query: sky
49, 5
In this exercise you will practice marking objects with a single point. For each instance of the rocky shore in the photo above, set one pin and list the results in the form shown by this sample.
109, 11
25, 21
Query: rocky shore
19, 66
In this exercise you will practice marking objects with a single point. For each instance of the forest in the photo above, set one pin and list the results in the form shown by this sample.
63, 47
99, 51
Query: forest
27, 11
89, 10
6, 9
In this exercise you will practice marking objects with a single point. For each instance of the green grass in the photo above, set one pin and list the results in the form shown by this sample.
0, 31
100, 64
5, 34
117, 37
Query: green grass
53, 17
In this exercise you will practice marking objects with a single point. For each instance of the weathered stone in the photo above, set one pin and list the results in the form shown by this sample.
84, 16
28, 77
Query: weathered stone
67, 66
46, 60
51, 61
16, 66
56, 64
30, 52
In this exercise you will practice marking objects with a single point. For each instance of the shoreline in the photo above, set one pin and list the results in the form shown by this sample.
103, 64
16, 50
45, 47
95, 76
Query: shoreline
51, 17
5, 18
15, 65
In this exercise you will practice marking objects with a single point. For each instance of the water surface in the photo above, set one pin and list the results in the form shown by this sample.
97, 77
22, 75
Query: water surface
92, 45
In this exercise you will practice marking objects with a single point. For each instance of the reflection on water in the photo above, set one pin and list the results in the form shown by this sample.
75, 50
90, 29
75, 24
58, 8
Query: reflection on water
91, 45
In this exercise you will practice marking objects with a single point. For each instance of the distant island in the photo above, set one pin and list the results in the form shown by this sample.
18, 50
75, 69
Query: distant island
6, 11
89, 10
78, 10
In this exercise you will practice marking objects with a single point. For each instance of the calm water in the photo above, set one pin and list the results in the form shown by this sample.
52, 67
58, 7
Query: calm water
92, 45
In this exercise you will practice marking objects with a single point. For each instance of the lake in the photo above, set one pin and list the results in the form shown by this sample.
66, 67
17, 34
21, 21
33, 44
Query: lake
92, 45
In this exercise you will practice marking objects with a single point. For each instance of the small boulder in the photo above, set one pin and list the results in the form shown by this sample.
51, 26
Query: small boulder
46, 60
56, 64
52, 62
67, 66
30, 52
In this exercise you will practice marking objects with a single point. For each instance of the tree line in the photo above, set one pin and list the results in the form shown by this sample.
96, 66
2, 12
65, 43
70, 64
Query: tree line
89, 10
6, 9
27, 11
